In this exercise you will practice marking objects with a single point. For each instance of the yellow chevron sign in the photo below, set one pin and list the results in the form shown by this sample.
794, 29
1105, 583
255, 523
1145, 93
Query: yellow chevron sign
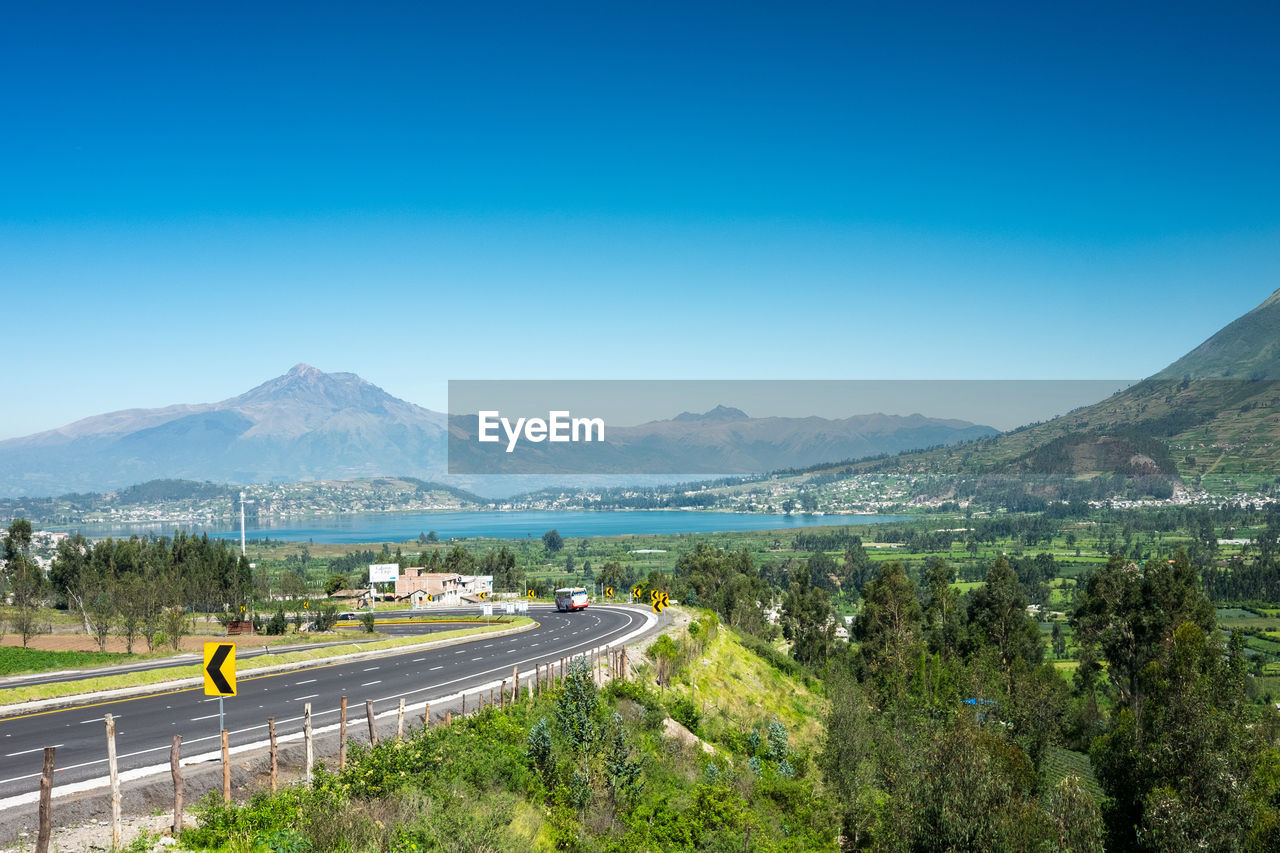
219, 669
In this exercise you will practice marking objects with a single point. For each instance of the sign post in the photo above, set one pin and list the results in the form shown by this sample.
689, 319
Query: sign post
220, 674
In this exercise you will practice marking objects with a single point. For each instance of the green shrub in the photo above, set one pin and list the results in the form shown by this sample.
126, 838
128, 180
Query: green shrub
277, 624
684, 712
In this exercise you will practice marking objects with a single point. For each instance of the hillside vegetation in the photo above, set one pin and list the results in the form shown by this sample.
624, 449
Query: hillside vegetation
579, 768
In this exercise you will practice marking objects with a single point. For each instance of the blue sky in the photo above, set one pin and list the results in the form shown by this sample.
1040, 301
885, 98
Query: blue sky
193, 198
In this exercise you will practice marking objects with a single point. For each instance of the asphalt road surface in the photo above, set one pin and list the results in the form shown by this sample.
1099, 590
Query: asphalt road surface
145, 725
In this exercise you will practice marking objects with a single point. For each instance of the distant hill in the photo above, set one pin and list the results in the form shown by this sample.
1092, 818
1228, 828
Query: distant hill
723, 440
306, 424
1211, 419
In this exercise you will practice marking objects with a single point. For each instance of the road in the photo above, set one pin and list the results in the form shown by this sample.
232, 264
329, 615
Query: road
355, 632
145, 725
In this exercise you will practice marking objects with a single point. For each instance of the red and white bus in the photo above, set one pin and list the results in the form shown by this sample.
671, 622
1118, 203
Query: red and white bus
571, 598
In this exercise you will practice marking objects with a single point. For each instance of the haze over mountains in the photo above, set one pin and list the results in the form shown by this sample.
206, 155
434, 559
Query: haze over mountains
1211, 418
308, 424
723, 440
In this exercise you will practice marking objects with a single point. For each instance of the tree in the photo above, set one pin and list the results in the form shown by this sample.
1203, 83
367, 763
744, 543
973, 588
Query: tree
998, 613
97, 600
176, 625
943, 627
552, 542
459, 560
70, 559
611, 575
665, 655
138, 603
1126, 615
335, 583
1185, 774
26, 581
622, 772
889, 628
576, 707
806, 619
292, 585
501, 565
1074, 817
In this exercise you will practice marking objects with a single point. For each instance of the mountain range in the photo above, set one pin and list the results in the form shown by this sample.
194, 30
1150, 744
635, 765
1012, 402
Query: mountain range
311, 425
306, 424
1210, 419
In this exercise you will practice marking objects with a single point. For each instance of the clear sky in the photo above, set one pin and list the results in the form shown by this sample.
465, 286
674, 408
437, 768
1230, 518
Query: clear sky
195, 197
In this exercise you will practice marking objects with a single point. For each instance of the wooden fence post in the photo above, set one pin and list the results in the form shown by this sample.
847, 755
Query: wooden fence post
426, 715
113, 771
46, 795
271, 732
400, 721
373, 729
306, 736
175, 769
448, 718
342, 735
226, 769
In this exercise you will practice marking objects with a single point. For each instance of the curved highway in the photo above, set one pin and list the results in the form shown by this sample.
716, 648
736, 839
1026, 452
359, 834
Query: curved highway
145, 725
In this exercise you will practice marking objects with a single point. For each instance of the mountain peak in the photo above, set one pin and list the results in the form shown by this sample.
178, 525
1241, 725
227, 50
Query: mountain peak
1248, 348
308, 386
719, 414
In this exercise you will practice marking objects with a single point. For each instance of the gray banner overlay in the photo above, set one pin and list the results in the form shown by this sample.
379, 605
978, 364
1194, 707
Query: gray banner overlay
710, 427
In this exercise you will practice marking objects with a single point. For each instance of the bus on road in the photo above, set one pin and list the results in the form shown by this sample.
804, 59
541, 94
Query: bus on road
571, 598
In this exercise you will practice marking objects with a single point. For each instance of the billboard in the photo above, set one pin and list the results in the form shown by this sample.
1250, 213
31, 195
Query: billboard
383, 572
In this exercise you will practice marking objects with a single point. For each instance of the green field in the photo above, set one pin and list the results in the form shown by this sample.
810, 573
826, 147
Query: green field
15, 660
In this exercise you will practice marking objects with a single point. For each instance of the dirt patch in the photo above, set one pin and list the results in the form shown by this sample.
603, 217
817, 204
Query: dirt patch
678, 732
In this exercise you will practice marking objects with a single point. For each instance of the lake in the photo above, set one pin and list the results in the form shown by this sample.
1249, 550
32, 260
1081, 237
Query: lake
401, 526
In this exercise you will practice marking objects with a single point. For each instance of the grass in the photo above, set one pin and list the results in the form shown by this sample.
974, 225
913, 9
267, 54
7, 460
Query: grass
1059, 762
31, 693
15, 660
737, 689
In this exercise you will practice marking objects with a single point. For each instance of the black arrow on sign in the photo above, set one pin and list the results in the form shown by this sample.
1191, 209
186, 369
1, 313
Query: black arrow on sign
214, 669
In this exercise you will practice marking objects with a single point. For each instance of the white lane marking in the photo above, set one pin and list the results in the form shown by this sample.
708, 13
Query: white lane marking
99, 719
434, 668
417, 660
473, 660
300, 683
210, 717
145, 772
305, 698
370, 669
371, 683
29, 751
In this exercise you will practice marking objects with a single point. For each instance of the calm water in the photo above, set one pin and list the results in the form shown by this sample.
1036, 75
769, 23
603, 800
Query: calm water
400, 526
